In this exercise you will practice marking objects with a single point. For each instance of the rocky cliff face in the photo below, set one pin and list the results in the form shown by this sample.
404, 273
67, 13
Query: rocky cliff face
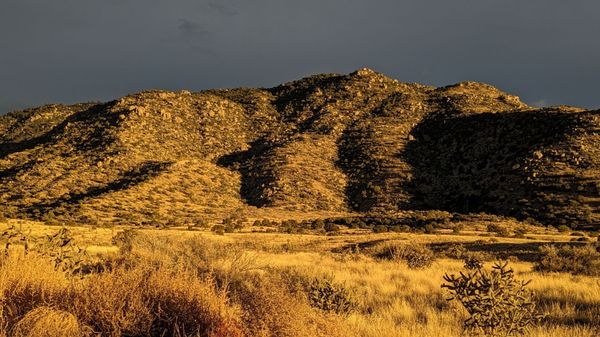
329, 143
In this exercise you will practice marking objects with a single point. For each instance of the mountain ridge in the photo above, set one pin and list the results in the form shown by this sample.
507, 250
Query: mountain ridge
360, 143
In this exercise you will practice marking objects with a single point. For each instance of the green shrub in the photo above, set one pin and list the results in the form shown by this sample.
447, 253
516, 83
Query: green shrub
497, 303
583, 260
564, 228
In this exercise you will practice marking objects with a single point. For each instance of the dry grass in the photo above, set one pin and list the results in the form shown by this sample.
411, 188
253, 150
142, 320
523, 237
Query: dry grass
48, 322
183, 283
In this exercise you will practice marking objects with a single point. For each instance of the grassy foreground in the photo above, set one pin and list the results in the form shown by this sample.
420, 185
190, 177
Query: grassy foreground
195, 283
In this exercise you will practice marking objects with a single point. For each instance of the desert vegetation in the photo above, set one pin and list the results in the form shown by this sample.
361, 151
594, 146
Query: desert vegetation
335, 205
123, 281
324, 146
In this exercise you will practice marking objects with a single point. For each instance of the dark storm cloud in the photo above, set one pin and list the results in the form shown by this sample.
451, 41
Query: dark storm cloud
546, 51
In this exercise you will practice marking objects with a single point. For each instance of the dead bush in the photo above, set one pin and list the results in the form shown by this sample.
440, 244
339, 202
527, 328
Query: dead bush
271, 309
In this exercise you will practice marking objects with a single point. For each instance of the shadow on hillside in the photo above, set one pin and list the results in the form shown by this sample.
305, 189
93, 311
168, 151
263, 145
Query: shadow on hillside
128, 179
255, 175
7, 149
484, 163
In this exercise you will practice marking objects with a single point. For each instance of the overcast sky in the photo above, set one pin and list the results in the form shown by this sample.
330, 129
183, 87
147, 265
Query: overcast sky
66, 51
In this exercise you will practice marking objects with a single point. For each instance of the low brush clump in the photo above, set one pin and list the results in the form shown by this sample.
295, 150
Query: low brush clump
183, 284
142, 301
158, 289
413, 254
583, 260
46, 321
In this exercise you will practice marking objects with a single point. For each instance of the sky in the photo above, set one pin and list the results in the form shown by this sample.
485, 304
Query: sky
66, 51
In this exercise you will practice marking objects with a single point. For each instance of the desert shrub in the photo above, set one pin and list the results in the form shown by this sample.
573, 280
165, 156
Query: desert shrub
146, 302
114, 303
575, 260
473, 260
203, 223
456, 229
124, 240
326, 295
429, 229
455, 251
318, 224
49, 322
331, 227
395, 229
520, 233
413, 254
498, 230
271, 309
183, 304
27, 281
577, 234
290, 223
238, 225
380, 229
218, 229
497, 303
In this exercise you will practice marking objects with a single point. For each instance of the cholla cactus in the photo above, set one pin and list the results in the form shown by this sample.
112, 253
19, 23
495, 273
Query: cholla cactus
14, 235
498, 305
61, 250
325, 294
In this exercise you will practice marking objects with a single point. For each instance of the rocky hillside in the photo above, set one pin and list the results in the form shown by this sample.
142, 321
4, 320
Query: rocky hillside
326, 144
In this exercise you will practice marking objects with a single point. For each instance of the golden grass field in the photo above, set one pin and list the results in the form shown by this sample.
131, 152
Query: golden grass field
176, 282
